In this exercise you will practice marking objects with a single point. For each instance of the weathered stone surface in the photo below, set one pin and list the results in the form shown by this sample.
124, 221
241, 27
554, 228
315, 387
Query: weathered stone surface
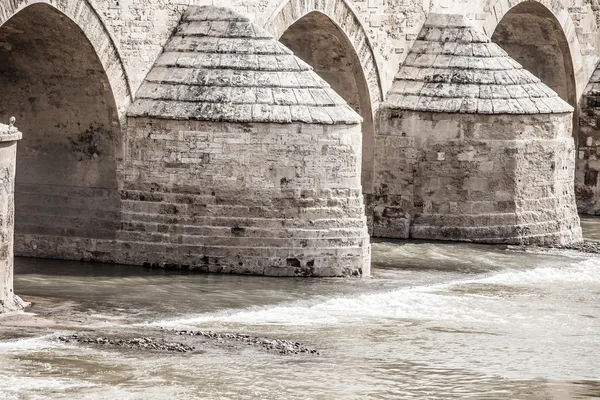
486, 158
242, 160
219, 66
453, 67
480, 178
71, 68
321, 43
273, 199
9, 136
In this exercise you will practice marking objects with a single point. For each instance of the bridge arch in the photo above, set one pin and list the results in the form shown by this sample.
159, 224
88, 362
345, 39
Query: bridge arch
330, 38
513, 24
342, 14
63, 80
86, 18
541, 36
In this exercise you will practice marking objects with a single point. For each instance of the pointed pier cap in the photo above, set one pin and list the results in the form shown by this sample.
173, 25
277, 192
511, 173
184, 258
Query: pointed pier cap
219, 66
455, 68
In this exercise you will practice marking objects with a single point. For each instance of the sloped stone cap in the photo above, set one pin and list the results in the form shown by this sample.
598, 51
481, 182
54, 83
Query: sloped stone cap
455, 68
9, 133
218, 66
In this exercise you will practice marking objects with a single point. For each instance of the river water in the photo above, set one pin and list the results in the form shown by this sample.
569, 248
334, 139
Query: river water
435, 321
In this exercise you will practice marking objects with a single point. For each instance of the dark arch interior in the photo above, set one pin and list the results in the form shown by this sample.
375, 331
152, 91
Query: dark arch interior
318, 41
54, 84
531, 35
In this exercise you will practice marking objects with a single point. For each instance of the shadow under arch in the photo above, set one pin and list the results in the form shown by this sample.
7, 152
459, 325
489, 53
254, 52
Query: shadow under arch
320, 42
85, 16
54, 83
531, 34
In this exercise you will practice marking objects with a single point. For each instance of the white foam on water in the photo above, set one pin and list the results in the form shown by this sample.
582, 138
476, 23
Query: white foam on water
12, 314
435, 302
27, 344
585, 272
408, 303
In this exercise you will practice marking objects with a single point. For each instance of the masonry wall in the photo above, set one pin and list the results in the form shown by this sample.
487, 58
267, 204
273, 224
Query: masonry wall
261, 199
273, 199
381, 32
498, 179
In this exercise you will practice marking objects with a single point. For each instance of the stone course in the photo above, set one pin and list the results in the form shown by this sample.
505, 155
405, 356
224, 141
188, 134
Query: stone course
453, 67
220, 67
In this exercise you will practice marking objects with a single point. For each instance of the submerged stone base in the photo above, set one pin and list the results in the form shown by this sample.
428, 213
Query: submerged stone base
480, 178
206, 253
271, 250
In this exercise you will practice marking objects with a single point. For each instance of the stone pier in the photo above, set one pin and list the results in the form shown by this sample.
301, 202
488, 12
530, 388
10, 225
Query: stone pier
9, 136
241, 159
471, 146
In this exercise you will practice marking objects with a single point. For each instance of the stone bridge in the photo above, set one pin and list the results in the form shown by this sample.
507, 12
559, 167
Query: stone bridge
274, 136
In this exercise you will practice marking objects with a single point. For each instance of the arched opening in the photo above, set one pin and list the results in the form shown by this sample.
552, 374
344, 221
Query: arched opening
52, 81
319, 42
532, 35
